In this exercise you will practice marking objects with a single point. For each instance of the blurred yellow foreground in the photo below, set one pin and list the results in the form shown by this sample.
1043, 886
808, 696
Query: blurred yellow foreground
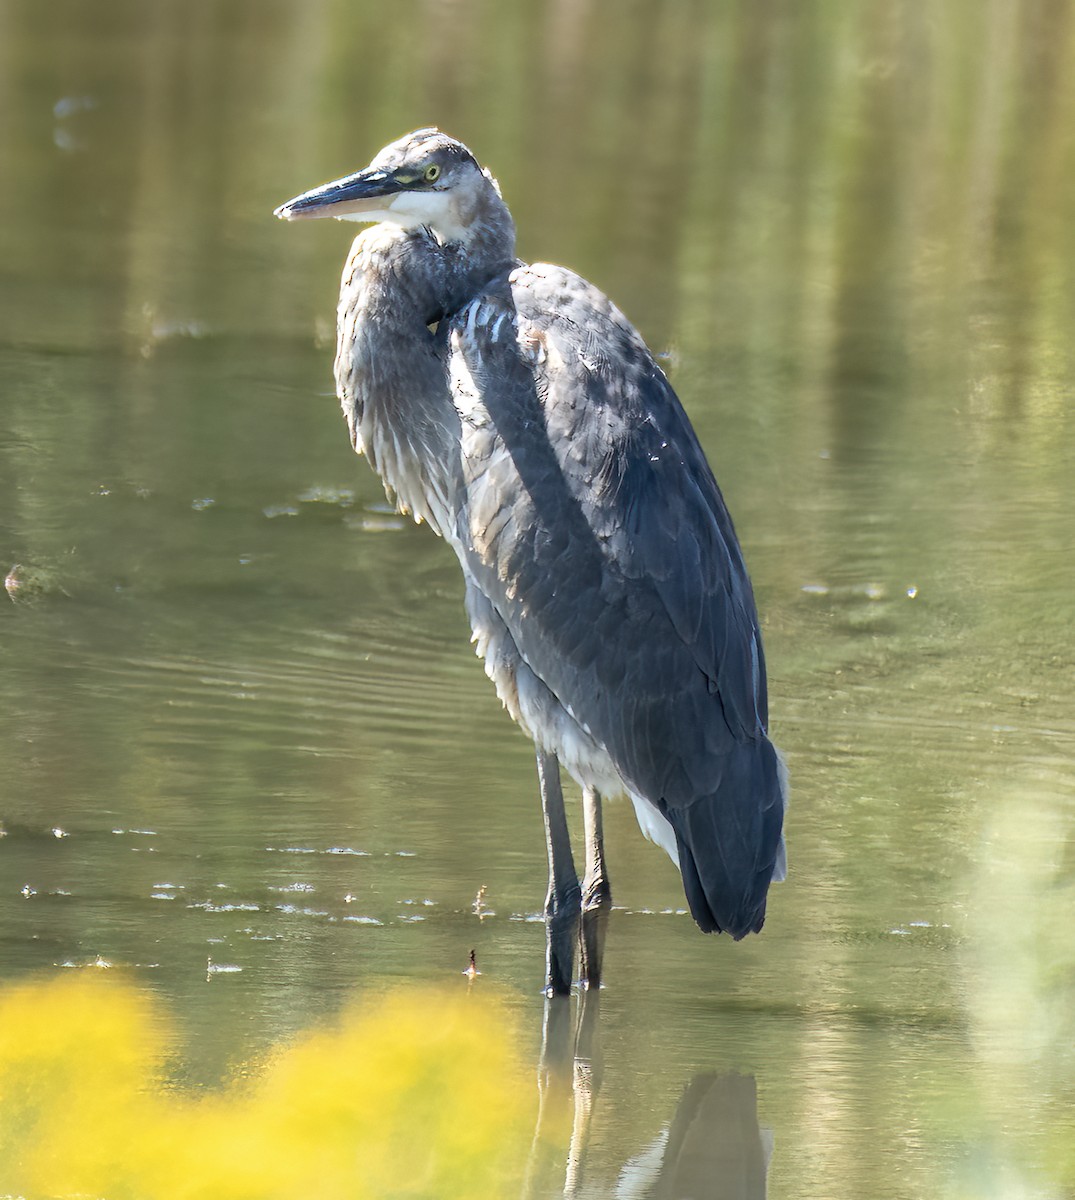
414, 1094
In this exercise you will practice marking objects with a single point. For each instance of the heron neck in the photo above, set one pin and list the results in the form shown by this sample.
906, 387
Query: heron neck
390, 378
486, 250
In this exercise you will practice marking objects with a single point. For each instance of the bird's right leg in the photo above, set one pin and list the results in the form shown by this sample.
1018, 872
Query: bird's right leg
596, 892
563, 902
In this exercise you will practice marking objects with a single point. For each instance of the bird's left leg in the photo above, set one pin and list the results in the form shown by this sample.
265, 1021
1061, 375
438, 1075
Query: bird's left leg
596, 892
562, 903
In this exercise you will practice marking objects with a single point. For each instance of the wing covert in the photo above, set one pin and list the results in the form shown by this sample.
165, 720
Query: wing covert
592, 522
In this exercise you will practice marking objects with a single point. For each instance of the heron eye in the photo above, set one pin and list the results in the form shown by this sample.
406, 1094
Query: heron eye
432, 173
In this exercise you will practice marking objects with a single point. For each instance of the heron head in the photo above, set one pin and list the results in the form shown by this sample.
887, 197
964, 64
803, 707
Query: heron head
424, 179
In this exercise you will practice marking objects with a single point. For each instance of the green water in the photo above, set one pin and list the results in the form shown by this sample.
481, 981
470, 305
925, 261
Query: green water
240, 722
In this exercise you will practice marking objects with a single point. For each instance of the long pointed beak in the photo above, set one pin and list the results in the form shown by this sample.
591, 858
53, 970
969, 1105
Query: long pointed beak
358, 196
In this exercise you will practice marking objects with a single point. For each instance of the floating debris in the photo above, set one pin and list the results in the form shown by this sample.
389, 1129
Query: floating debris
480, 908
212, 968
341, 497
67, 106
63, 110
25, 582
376, 524
293, 910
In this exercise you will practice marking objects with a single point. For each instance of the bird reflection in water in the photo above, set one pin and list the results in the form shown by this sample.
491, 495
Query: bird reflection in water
713, 1148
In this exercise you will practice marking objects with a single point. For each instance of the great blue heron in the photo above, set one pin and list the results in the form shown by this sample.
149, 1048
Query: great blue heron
515, 410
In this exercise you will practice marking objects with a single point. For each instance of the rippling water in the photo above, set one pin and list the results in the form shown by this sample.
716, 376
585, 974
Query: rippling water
246, 750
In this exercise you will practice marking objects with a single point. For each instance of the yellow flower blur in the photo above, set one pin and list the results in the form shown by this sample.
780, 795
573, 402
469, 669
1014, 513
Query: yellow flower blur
414, 1094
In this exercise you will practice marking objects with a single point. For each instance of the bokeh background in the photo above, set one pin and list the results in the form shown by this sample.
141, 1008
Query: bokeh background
246, 753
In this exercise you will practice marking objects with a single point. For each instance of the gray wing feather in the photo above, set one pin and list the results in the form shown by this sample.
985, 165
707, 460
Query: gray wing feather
593, 524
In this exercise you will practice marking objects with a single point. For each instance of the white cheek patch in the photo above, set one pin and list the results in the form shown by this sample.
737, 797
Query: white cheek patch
426, 208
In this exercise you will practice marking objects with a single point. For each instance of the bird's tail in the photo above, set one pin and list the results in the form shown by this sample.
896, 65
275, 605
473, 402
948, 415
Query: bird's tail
731, 841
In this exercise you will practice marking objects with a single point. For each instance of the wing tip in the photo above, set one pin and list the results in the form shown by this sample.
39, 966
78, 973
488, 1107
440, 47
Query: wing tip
731, 846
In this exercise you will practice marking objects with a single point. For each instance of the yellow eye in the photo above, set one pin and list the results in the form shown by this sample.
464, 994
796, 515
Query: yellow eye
432, 173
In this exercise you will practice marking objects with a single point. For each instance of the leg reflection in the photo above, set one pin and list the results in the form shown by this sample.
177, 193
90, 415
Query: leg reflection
545, 1162
568, 1080
585, 1083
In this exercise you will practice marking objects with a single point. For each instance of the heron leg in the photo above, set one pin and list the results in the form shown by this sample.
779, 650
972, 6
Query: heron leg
563, 902
596, 892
